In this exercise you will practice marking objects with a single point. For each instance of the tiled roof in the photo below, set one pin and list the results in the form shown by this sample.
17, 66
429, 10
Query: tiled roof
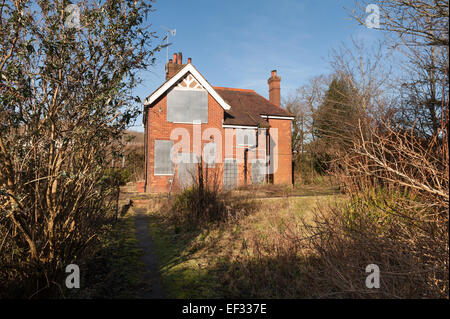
247, 106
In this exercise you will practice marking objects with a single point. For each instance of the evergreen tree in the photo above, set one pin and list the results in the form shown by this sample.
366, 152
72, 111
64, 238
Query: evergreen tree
335, 122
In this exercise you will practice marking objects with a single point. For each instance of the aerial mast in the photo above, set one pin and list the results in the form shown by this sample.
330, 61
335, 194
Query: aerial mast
169, 32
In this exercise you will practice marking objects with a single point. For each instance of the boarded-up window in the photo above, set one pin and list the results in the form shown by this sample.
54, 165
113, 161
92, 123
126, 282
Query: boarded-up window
209, 154
187, 106
230, 173
186, 169
258, 171
246, 137
163, 158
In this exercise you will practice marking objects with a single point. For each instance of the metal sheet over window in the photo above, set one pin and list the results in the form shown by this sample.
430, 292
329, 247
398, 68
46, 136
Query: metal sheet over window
258, 171
163, 158
210, 154
187, 106
246, 137
230, 173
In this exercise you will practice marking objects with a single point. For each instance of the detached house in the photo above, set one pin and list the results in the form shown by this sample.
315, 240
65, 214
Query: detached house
239, 136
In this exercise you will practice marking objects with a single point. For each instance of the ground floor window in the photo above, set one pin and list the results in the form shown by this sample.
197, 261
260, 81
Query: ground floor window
258, 171
230, 173
163, 159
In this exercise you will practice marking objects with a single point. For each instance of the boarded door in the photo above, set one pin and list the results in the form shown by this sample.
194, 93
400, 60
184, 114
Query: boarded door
258, 171
186, 170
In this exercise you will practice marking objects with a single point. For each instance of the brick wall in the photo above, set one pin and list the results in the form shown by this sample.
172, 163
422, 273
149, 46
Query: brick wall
283, 174
159, 129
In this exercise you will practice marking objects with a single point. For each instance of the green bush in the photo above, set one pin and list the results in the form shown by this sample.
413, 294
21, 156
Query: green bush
125, 176
115, 176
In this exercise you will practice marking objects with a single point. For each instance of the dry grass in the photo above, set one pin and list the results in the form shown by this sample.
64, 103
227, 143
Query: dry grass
326, 258
309, 247
280, 190
199, 263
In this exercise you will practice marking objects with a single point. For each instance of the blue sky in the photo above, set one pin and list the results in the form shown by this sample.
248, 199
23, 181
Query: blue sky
237, 43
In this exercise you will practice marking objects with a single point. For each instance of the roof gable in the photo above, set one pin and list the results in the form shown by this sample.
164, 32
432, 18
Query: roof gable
189, 68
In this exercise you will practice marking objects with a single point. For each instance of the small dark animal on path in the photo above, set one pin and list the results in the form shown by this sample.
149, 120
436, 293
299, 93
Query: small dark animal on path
125, 208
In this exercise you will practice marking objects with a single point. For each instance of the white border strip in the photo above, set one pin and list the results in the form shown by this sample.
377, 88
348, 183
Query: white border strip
240, 126
278, 117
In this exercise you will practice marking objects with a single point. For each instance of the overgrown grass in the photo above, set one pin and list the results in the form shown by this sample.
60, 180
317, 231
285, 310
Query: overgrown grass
182, 274
280, 190
309, 247
199, 207
198, 262
327, 257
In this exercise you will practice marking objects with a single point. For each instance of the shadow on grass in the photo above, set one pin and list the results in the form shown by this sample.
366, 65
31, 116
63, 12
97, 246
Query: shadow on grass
185, 273
180, 276
325, 259
285, 276
116, 269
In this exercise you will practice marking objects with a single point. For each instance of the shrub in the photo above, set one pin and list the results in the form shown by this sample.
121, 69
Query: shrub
117, 175
205, 202
397, 218
327, 258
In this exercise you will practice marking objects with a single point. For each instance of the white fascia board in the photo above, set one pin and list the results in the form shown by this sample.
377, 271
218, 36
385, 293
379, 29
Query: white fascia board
239, 126
278, 117
188, 68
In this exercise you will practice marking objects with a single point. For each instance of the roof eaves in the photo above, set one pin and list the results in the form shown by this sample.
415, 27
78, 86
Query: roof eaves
170, 82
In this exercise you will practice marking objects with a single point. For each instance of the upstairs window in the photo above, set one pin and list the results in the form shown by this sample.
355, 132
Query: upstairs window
246, 137
187, 106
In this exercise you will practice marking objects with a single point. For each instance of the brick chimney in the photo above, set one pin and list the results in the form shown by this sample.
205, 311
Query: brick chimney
274, 88
174, 65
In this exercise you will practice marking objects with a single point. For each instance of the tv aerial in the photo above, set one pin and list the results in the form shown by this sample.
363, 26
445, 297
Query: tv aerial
169, 33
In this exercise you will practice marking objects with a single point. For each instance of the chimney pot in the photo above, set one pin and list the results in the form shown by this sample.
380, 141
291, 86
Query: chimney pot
274, 73
174, 65
189, 60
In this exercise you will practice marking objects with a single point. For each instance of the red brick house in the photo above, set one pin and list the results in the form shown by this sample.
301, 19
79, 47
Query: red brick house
240, 137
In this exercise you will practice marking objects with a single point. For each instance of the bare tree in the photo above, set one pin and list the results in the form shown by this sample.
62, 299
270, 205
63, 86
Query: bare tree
422, 89
416, 22
366, 67
303, 103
